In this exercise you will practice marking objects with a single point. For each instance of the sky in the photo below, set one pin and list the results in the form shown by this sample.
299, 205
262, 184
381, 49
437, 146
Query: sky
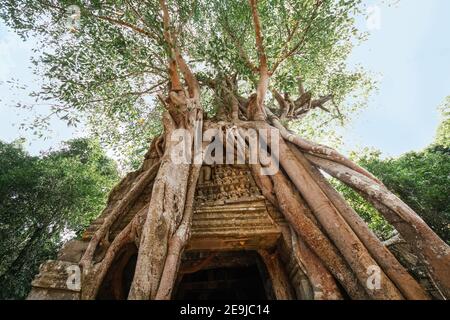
411, 51
408, 49
15, 55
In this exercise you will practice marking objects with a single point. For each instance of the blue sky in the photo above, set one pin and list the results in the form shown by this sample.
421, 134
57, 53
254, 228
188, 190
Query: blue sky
410, 50
15, 63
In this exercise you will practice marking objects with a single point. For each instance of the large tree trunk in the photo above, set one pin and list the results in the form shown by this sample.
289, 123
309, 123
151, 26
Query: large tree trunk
164, 231
178, 240
330, 240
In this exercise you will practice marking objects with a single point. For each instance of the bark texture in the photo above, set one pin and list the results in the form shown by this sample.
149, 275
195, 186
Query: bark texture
393, 269
280, 282
433, 250
325, 235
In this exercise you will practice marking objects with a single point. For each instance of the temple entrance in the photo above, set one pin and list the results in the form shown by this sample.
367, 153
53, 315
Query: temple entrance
241, 283
232, 275
232, 227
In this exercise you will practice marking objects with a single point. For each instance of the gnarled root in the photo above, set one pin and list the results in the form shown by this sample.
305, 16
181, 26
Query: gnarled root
93, 279
336, 227
319, 150
322, 282
280, 282
393, 269
427, 245
292, 209
164, 217
102, 233
178, 241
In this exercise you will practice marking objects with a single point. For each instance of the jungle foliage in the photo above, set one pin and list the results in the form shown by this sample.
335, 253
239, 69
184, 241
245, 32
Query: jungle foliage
44, 200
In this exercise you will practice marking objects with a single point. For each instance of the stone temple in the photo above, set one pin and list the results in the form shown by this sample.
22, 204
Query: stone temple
240, 248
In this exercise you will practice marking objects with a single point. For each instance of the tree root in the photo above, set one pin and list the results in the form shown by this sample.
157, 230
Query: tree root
319, 150
393, 269
102, 233
433, 250
93, 279
178, 241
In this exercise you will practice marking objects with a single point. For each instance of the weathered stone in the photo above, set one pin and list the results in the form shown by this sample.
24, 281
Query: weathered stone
54, 282
72, 251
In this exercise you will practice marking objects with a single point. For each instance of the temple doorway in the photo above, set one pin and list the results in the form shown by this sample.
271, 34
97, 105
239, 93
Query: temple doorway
242, 283
228, 275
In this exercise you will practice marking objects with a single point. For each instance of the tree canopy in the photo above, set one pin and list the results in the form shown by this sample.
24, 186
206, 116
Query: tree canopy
44, 201
107, 69
443, 131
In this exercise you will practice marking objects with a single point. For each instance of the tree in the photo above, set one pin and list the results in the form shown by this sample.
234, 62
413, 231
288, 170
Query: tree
443, 132
231, 65
421, 179
43, 201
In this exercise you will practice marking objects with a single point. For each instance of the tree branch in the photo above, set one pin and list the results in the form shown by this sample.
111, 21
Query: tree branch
173, 72
139, 16
109, 19
131, 93
263, 83
286, 54
259, 38
241, 50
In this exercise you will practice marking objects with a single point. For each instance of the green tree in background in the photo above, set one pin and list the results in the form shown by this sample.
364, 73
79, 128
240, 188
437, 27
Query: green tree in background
421, 179
44, 201
443, 131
